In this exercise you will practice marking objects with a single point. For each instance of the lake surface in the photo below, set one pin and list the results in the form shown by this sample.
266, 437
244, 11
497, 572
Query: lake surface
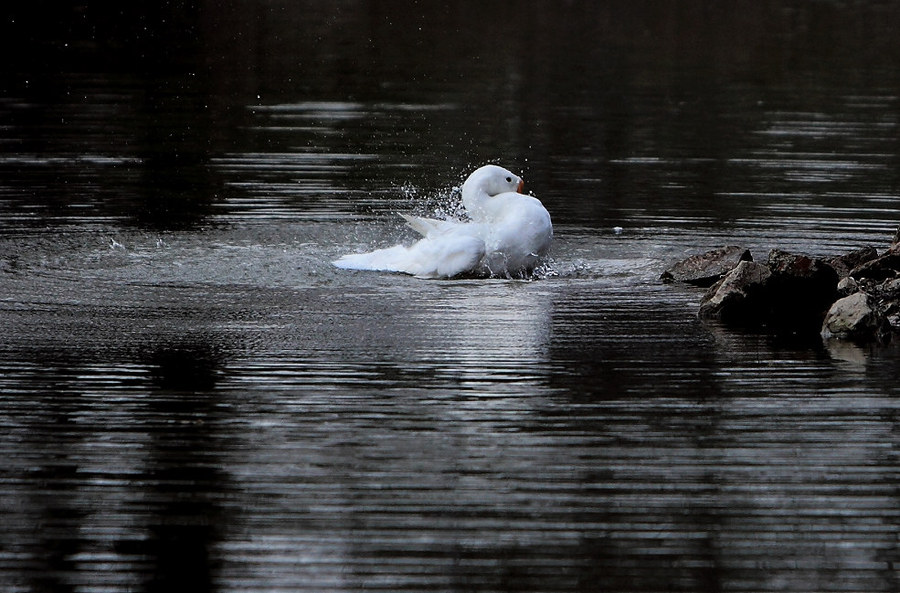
192, 398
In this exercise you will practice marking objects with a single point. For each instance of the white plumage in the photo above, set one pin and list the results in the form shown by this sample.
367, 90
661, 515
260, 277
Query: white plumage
508, 234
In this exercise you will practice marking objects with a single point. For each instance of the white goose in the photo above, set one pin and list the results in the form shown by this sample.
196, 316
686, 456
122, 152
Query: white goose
508, 234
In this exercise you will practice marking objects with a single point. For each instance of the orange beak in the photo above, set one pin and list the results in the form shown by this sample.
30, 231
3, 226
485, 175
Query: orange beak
521, 187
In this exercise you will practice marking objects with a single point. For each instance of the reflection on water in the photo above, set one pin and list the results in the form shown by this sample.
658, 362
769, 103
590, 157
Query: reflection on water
193, 398
578, 432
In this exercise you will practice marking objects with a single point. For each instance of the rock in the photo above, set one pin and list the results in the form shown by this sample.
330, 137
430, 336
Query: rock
801, 290
892, 313
798, 265
887, 294
790, 294
707, 268
739, 297
856, 317
853, 296
879, 269
847, 286
889, 290
843, 264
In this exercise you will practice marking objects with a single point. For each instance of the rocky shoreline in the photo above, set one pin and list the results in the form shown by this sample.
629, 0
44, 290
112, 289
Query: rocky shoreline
855, 296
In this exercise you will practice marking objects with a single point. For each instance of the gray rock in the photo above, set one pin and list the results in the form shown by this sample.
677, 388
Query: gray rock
843, 264
739, 297
892, 312
881, 268
796, 265
801, 290
707, 268
889, 290
791, 294
887, 295
856, 317
847, 286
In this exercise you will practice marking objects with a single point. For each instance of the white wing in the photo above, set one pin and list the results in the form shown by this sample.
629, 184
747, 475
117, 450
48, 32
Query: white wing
428, 227
444, 255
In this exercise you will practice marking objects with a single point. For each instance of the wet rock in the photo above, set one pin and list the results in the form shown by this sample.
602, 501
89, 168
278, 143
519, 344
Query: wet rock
892, 313
889, 290
853, 296
739, 297
887, 294
856, 317
801, 290
881, 268
844, 264
789, 294
847, 286
799, 266
707, 268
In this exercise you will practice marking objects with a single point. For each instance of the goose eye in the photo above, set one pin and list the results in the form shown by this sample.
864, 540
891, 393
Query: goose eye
509, 180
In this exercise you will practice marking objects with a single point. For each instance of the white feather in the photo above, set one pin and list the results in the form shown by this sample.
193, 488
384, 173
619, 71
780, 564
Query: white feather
508, 234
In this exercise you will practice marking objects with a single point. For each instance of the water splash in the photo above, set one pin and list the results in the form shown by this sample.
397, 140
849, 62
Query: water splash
444, 204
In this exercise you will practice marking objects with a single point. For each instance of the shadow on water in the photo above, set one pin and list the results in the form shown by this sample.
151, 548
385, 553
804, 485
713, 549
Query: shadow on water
53, 504
640, 376
151, 421
111, 116
123, 113
177, 187
183, 477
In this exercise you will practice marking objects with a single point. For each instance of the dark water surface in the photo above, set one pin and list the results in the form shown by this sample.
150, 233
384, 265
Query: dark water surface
192, 398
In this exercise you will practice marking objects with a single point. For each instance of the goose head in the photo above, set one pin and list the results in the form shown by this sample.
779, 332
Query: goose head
486, 182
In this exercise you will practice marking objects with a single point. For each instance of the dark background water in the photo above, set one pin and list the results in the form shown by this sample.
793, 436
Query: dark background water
192, 398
